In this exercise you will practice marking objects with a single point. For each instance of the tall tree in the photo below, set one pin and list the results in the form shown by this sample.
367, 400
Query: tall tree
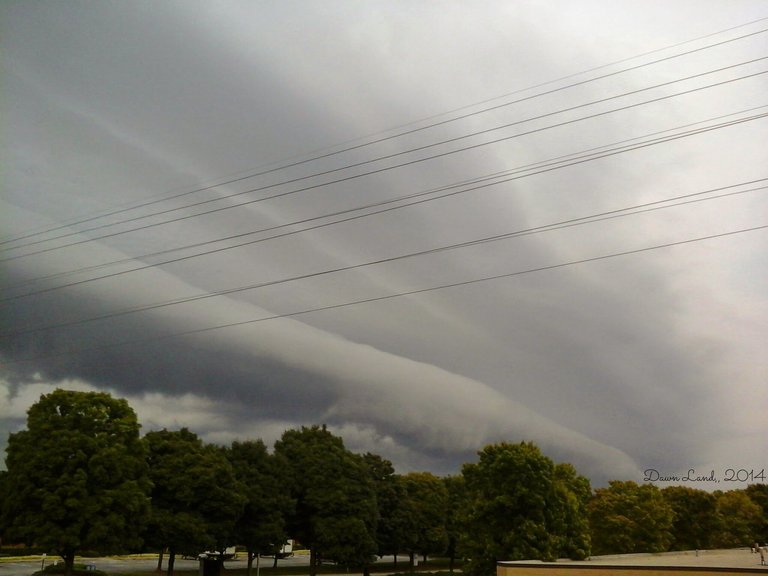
567, 517
3, 492
77, 476
456, 492
428, 502
196, 499
518, 506
262, 526
389, 494
740, 519
627, 517
758, 493
695, 520
336, 509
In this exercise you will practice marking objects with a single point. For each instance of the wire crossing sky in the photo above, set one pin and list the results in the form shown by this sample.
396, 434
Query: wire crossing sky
428, 226
406, 163
400, 134
452, 191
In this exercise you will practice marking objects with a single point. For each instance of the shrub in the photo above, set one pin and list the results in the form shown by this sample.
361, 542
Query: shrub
60, 567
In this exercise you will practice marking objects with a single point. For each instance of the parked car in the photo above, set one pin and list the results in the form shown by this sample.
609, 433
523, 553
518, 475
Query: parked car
229, 553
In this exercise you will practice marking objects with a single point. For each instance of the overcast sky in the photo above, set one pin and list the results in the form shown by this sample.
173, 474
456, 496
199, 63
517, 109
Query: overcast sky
136, 133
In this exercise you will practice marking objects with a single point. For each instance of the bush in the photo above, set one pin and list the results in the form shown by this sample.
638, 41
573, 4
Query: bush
427, 573
21, 550
77, 570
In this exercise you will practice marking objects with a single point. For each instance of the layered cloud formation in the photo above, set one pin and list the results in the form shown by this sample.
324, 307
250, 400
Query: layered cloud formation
648, 358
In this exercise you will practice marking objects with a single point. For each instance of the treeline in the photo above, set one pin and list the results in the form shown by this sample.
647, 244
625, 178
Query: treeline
627, 517
80, 477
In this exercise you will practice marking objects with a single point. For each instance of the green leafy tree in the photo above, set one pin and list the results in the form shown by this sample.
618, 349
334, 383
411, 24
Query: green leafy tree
456, 493
389, 493
567, 515
175, 524
336, 510
77, 476
695, 520
262, 526
519, 505
758, 493
739, 519
627, 517
427, 501
196, 498
3, 491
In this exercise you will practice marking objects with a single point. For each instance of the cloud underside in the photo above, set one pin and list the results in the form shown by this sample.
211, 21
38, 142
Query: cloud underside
288, 371
650, 360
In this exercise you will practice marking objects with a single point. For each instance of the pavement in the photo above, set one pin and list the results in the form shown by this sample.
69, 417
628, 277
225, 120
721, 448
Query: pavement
25, 566
734, 558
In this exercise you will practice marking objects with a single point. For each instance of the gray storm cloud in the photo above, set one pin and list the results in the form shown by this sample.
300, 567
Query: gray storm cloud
420, 405
650, 360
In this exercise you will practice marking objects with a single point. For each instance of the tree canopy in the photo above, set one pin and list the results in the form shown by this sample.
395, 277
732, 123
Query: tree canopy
518, 505
336, 509
758, 493
695, 521
390, 497
196, 498
627, 517
262, 527
740, 520
77, 476
426, 501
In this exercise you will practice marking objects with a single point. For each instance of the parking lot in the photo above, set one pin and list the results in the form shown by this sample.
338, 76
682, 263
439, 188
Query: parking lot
142, 563
148, 563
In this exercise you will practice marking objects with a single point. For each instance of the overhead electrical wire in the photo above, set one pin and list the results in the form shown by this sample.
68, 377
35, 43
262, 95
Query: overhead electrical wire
369, 206
379, 208
390, 296
407, 163
348, 149
467, 282
453, 192
326, 155
580, 221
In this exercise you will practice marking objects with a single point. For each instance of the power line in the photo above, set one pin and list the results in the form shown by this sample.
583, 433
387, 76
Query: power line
378, 204
407, 163
392, 296
590, 219
380, 158
544, 169
383, 139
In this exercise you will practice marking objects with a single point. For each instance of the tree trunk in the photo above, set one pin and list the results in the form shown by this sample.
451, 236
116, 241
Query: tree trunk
69, 561
312, 562
160, 560
171, 560
251, 556
451, 554
411, 560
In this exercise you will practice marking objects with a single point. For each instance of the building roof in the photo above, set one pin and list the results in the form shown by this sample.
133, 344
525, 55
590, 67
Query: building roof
737, 561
